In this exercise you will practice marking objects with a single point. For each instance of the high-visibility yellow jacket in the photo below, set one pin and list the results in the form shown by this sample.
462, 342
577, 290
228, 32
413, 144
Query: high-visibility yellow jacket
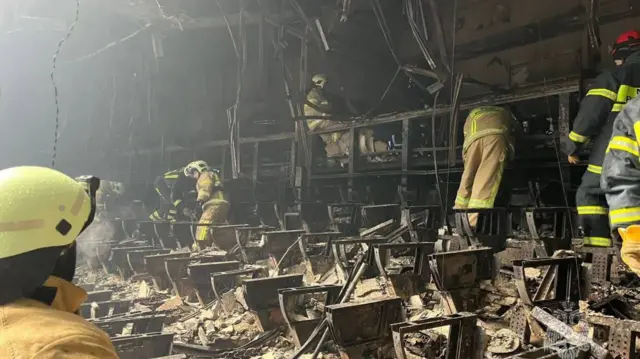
31, 329
318, 105
488, 120
209, 187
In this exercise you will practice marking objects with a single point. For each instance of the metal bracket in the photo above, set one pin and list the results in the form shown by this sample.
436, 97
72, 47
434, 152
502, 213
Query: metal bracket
618, 333
563, 274
224, 281
145, 324
491, 230
176, 269
461, 338
104, 309
156, 268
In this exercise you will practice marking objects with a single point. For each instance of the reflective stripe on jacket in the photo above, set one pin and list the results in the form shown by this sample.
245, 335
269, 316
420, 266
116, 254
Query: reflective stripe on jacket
599, 108
620, 178
487, 120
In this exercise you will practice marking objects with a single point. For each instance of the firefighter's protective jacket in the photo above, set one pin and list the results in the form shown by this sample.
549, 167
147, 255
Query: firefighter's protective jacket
599, 108
173, 186
488, 120
620, 177
33, 329
318, 105
209, 187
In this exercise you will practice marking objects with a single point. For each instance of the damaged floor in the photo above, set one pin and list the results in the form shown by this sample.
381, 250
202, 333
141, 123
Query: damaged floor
265, 292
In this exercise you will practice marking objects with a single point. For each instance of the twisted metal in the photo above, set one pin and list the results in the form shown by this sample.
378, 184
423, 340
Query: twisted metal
55, 85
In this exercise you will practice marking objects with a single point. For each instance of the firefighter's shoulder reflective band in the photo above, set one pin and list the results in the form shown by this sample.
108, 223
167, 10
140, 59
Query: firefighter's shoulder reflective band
177, 202
625, 215
617, 107
594, 169
587, 210
597, 241
603, 92
625, 144
575, 137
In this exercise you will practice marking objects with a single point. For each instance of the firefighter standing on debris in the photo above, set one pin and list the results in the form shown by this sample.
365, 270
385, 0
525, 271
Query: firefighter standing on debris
172, 187
318, 108
42, 214
595, 119
211, 201
488, 144
621, 182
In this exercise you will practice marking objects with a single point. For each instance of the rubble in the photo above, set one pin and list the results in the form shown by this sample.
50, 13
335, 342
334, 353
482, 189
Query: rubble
381, 297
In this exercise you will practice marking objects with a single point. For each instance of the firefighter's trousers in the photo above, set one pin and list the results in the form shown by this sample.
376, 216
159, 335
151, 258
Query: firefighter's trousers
166, 211
593, 211
484, 163
213, 212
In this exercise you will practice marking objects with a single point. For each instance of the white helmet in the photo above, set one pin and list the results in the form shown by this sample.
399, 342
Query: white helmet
196, 167
319, 80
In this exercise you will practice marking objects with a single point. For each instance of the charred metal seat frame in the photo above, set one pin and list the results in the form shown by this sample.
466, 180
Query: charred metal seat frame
143, 346
104, 309
156, 268
560, 276
144, 324
458, 283
177, 272
461, 343
301, 329
408, 282
262, 298
200, 274
621, 335
224, 281
355, 324
492, 229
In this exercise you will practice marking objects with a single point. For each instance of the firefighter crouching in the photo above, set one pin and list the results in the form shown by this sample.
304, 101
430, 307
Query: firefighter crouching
337, 144
211, 201
594, 121
488, 144
171, 188
620, 181
42, 213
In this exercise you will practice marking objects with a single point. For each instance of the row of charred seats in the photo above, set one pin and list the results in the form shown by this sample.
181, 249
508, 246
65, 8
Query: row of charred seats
411, 229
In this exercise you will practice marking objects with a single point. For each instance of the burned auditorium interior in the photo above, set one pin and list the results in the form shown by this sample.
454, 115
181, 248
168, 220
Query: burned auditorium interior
337, 179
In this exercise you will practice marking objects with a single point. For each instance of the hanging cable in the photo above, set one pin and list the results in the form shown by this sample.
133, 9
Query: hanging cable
452, 67
555, 144
55, 85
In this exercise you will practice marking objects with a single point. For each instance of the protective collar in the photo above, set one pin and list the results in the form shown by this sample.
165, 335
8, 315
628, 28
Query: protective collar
68, 297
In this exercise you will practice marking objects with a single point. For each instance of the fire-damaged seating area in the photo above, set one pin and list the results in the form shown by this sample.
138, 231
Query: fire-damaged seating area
368, 282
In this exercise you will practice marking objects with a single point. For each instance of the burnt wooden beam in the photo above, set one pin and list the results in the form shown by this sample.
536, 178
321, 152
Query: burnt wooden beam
562, 24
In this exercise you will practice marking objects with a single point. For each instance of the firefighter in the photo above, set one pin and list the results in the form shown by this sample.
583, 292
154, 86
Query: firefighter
172, 188
620, 181
595, 121
211, 202
488, 144
337, 144
42, 214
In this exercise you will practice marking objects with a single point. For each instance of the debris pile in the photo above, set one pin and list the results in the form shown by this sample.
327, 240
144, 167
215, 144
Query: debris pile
379, 294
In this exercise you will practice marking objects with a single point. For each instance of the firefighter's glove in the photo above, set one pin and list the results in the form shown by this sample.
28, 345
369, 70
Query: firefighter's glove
630, 251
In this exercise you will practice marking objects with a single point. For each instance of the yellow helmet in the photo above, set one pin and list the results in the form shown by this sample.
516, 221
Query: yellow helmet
41, 208
196, 166
319, 80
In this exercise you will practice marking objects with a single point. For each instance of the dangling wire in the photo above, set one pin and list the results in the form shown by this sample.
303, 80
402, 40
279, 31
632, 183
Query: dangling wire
55, 85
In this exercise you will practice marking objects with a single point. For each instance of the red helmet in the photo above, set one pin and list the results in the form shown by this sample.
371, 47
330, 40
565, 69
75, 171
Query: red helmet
626, 44
628, 36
